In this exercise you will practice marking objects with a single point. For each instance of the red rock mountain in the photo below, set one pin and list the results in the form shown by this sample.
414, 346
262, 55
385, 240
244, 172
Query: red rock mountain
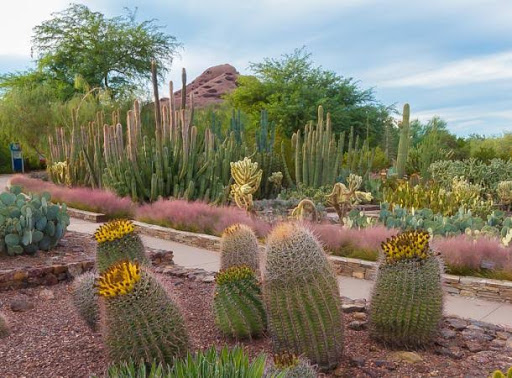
209, 87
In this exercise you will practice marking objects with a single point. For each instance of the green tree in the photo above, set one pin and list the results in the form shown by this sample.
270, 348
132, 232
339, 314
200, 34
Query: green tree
291, 88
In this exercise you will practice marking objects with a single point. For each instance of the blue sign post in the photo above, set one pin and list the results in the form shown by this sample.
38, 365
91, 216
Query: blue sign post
16, 158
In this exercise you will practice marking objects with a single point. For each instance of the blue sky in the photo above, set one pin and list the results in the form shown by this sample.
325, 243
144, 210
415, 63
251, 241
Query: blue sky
451, 58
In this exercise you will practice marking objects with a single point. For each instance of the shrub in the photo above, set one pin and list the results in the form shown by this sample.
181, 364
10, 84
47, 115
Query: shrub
85, 299
29, 224
198, 217
95, 200
407, 301
302, 297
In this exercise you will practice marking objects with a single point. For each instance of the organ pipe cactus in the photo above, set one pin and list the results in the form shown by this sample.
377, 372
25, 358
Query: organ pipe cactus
239, 246
403, 143
407, 301
140, 321
118, 241
85, 298
302, 297
247, 179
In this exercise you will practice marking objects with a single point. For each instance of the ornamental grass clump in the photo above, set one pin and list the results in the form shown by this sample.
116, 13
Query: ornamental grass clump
141, 322
407, 300
237, 303
302, 297
85, 298
117, 241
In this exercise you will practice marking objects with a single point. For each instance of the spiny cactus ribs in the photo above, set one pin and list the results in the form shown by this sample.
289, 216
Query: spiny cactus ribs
407, 301
85, 298
302, 297
239, 246
288, 365
237, 303
141, 322
118, 241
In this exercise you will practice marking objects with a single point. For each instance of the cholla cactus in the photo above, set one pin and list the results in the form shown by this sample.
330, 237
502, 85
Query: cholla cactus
505, 193
239, 246
276, 178
407, 301
141, 322
247, 178
59, 173
237, 303
85, 298
117, 241
4, 328
304, 210
500, 374
302, 297
288, 365
343, 198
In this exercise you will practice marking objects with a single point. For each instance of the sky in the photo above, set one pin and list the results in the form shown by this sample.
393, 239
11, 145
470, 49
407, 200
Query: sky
450, 58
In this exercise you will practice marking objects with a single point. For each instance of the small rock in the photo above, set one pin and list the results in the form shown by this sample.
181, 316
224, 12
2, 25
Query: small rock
361, 316
508, 344
498, 344
208, 279
410, 357
357, 325
352, 307
385, 364
475, 335
475, 327
21, 305
474, 346
448, 333
457, 324
503, 335
357, 361
46, 294
453, 352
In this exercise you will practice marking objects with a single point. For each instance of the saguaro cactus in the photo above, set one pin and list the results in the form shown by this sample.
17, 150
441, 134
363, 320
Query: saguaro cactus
141, 321
302, 297
403, 143
407, 302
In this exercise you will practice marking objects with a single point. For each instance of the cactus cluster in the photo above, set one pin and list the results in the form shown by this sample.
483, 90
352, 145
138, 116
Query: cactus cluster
505, 193
4, 327
30, 223
343, 198
85, 298
117, 240
247, 177
238, 308
407, 300
239, 246
141, 322
302, 297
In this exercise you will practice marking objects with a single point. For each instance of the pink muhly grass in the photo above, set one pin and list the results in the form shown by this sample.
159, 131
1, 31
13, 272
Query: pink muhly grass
96, 200
463, 251
198, 217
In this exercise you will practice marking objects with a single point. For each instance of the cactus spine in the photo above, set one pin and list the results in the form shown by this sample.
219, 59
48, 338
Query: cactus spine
85, 299
407, 301
302, 297
141, 321
403, 143
239, 246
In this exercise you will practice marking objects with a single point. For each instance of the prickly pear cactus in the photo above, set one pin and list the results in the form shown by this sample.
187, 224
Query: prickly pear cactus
302, 298
407, 301
85, 299
141, 322
30, 223
237, 303
117, 241
4, 328
239, 246
287, 365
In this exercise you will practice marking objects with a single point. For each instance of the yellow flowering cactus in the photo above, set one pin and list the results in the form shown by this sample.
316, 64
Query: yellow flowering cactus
113, 230
409, 245
119, 279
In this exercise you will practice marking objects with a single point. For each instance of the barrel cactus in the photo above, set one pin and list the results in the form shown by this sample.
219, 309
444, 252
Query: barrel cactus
302, 297
500, 374
239, 246
237, 303
30, 223
287, 365
141, 322
4, 327
85, 298
117, 241
407, 301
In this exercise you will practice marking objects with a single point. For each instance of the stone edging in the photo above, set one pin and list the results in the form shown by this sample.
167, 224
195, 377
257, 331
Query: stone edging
86, 215
495, 290
18, 278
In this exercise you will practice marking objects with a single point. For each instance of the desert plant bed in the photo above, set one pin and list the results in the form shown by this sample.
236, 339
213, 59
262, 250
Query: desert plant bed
50, 339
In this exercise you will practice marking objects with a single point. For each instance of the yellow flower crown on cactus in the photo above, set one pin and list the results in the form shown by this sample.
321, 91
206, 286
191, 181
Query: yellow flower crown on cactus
113, 230
234, 273
285, 360
409, 245
119, 279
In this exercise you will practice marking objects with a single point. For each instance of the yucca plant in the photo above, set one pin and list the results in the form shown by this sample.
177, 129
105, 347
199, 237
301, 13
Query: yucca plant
407, 300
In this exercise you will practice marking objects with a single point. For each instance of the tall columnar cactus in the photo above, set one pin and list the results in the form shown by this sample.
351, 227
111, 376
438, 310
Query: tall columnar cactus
403, 143
239, 246
118, 241
85, 299
407, 301
237, 303
141, 322
302, 297
247, 178
4, 328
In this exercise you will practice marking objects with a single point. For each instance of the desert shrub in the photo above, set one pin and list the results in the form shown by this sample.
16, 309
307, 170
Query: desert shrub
95, 200
198, 217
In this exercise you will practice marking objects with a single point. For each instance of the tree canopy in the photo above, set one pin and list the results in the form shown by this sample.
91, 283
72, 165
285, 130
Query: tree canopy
291, 88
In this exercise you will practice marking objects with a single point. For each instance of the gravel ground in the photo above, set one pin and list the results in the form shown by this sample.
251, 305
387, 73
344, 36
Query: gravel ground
50, 340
